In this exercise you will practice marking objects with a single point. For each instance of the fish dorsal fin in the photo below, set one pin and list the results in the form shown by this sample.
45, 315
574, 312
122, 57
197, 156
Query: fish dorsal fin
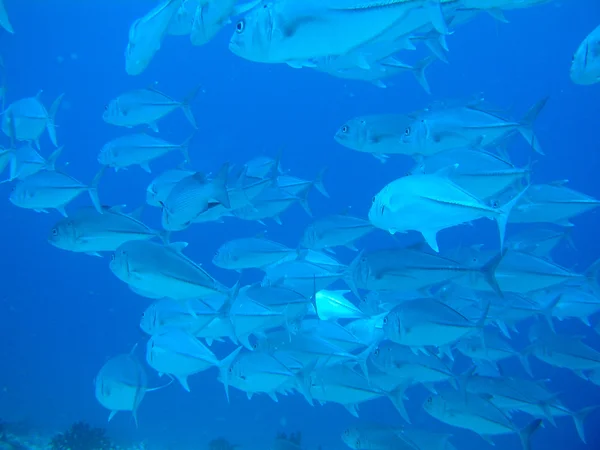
137, 213
178, 246
558, 183
116, 208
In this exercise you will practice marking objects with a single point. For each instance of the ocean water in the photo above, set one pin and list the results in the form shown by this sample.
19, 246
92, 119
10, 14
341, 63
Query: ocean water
62, 314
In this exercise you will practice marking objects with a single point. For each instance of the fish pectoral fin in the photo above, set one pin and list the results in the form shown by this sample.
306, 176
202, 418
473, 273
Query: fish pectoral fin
430, 237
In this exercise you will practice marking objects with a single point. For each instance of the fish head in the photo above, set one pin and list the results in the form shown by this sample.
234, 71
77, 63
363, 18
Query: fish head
63, 234
113, 113
221, 258
253, 33
20, 194
353, 134
585, 65
119, 264
105, 157
434, 405
415, 134
150, 321
151, 195
351, 437
379, 213
392, 326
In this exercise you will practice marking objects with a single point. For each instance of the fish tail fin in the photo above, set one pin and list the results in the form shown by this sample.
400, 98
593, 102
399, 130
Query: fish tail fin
592, 274
318, 182
523, 357
502, 219
51, 161
303, 200
526, 433
349, 275
419, 72
224, 366
579, 419
549, 309
488, 270
186, 106
526, 127
220, 186
185, 148
397, 396
50, 125
93, 190
439, 47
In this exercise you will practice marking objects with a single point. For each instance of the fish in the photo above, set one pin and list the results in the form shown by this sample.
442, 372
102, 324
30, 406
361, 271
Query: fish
553, 203
164, 271
138, 149
26, 161
87, 231
27, 118
475, 413
482, 173
335, 230
428, 322
193, 195
428, 203
164, 314
146, 35
146, 107
379, 135
159, 189
472, 125
121, 384
180, 354
46, 190
585, 66
286, 32
247, 253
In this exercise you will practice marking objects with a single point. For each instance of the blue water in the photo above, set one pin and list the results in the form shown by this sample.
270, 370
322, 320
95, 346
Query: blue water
62, 315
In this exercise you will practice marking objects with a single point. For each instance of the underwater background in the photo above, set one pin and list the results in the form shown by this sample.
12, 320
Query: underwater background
62, 315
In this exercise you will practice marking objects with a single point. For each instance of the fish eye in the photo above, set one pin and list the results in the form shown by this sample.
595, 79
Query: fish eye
376, 352
54, 232
105, 107
385, 320
495, 204
407, 131
382, 209
345, 129
429, 400
113, 257
239, 27
373, 200
357, 443
346, 432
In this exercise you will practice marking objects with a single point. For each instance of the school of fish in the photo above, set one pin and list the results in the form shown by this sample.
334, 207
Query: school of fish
379, 325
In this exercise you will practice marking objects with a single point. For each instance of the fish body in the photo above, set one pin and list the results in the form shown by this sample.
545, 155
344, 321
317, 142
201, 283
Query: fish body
192, 196
26, 120
137, 149
249, 253
159, 189
87, 231
145, 107
163, 271
287, 31
52, 190
430, 203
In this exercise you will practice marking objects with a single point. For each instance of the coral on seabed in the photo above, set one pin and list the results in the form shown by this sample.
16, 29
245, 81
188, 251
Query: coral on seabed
81, 436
